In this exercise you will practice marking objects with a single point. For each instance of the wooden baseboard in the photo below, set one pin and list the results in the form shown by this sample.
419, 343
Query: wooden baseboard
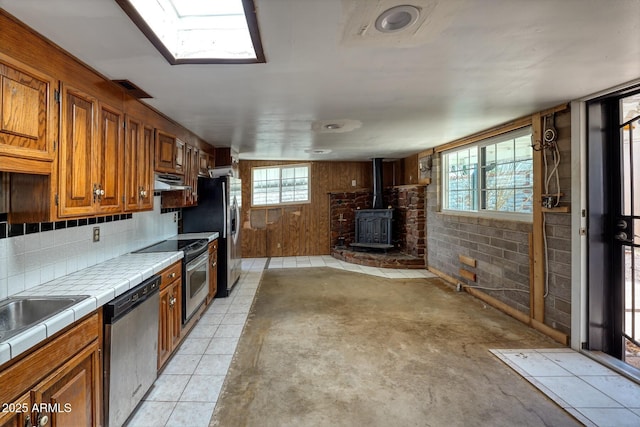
558, 336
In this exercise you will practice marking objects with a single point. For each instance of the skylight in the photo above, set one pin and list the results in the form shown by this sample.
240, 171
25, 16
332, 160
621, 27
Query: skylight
199, 31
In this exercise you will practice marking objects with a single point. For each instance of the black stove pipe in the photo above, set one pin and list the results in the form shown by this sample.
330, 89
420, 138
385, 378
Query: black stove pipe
377, 183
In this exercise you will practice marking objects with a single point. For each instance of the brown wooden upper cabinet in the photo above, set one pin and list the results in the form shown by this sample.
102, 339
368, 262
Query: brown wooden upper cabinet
165, 157
91, 156
170, 152
191, 174
110, 161
204, 163
28, 116
138, 165
180, 156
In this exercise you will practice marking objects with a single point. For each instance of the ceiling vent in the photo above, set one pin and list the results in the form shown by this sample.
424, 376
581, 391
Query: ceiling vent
132, 89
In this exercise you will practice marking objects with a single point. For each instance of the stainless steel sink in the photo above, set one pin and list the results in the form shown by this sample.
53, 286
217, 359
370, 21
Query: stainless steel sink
20, 313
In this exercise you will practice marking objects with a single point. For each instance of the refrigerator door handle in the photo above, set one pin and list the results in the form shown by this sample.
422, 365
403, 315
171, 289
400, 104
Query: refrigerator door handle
224, 211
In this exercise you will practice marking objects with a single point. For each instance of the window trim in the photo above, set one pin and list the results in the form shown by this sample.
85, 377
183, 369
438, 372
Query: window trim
478, 144
280, 167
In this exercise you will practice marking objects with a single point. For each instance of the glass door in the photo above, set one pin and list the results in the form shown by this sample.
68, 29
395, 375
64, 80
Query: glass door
614, 226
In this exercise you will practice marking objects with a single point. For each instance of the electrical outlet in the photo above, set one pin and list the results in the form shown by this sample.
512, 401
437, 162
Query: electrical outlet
548, 202
278, 245
175, 217
353, 182
96, 234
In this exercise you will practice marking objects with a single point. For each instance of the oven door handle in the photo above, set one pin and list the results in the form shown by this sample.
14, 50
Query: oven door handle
198, 262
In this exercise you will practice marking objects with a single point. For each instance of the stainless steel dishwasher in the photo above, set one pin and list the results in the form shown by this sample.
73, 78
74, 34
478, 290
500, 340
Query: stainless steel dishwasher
131, 349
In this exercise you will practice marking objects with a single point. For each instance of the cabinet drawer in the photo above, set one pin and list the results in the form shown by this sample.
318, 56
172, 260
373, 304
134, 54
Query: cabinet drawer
170, 274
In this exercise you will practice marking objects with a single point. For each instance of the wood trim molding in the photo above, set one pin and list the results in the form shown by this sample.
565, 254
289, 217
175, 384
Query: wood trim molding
489, 133
497, 130
537, 285
516, 314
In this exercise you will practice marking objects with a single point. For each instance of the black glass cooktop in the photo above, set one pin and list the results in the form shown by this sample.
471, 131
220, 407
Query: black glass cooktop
173, 245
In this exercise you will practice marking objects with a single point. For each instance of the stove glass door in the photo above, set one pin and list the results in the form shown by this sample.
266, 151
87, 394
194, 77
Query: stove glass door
196, 284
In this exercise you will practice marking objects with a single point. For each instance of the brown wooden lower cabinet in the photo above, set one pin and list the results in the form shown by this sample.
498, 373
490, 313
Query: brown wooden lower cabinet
59, 383
213, 270
170, 321
67, 397
16, 413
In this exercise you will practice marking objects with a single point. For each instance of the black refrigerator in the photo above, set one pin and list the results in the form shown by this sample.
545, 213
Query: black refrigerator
219, 203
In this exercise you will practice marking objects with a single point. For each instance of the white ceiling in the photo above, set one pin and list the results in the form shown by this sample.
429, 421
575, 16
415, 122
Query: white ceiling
470, 65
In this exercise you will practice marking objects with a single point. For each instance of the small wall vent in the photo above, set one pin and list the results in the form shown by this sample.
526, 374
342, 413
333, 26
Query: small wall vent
132, 89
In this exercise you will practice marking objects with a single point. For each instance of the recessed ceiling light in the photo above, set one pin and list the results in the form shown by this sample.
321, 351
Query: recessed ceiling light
397, 18
335, 125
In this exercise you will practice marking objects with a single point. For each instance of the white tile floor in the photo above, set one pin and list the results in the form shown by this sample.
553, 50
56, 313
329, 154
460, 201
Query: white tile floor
186, 392
594, 394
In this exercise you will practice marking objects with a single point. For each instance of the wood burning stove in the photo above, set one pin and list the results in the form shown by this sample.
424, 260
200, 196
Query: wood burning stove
373, 229
373, 226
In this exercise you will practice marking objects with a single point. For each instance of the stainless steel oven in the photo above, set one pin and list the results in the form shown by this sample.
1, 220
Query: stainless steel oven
196, 284
195, 271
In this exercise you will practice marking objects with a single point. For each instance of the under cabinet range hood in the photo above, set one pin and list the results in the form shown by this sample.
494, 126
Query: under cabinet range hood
169, 182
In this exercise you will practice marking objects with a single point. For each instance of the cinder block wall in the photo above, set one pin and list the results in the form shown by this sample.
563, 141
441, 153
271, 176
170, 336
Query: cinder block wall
501, 248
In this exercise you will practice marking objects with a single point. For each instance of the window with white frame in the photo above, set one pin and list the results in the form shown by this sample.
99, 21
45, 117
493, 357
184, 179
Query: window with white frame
277, 185
493, 175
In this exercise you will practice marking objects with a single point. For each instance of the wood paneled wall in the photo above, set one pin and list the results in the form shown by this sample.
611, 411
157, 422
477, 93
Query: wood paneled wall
302, 229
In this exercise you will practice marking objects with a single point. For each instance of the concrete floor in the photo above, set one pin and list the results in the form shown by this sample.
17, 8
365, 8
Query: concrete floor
324, 347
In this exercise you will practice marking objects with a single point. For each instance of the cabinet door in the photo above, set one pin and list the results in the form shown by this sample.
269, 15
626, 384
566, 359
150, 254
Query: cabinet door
203, 163
180, 156
109, 161
188, 154
132, 144
145, 169
164, 331
194, 175
27, 110
170, 326
138, 173
213, 270
17, 413
176, 314
69, 396
75, 183
165, 152
191, 174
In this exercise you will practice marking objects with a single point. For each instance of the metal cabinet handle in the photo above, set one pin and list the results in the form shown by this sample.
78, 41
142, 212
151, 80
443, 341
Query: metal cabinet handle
43, 420
172, 275
27, 421
213, 264
172, 301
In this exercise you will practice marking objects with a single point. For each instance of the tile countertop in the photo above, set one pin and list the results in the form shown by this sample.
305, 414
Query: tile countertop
102, 282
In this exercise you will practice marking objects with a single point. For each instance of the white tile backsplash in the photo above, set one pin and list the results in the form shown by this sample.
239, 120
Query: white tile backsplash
34, 259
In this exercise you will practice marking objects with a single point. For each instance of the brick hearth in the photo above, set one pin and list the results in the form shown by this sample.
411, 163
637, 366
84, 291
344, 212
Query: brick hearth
409, 220
391, 259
